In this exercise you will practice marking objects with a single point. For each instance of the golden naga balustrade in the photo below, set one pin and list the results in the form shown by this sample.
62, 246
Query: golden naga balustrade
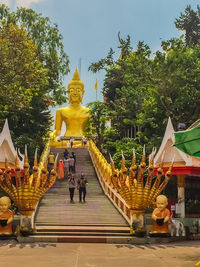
26, 190
138, 194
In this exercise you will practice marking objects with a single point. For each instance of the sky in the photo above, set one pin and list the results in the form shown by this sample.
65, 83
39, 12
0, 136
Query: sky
90, 27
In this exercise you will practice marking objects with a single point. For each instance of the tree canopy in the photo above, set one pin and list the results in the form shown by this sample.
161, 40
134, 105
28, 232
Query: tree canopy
33, 64
142, 90
50, 50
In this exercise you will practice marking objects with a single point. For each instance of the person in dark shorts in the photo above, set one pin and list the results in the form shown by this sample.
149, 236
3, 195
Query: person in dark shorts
82, 182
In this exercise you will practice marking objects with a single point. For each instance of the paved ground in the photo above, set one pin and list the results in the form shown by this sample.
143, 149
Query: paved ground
184, 254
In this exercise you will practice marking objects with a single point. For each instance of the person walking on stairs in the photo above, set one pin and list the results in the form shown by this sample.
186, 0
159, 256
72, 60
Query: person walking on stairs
72, 186
71, 140
74, 157
82, 182
66, 167
60, 169
71, 164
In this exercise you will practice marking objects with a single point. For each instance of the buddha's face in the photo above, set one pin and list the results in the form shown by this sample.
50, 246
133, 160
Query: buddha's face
75, 94
161, 203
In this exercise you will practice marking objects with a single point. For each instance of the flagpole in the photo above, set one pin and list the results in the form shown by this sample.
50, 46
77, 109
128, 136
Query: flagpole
96, 94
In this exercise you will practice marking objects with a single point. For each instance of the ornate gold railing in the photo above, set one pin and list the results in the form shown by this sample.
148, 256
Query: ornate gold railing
130, 193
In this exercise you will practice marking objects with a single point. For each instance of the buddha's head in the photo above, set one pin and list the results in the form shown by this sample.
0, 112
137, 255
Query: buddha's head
4, 203
161, 202
75, 89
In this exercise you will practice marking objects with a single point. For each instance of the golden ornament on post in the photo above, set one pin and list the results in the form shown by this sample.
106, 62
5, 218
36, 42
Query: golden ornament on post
26, 190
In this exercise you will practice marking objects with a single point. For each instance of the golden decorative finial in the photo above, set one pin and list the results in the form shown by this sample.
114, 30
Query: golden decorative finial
35, 158
17, 167
26, 164
133, 162
123, 167
143, 160
151, 158
112, 164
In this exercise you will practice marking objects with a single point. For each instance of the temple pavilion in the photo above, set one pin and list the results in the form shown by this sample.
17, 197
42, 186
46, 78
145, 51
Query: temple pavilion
186, 172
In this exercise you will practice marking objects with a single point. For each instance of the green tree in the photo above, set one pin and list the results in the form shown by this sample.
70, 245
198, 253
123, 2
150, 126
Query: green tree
190, 23
33, 64
50, 49
95, 126
23, 83
22, 74
174, 90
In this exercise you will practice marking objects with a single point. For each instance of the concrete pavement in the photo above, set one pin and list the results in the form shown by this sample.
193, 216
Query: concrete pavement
182, 254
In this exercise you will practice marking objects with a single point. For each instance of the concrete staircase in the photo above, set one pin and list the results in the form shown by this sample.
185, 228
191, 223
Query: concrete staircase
97, 220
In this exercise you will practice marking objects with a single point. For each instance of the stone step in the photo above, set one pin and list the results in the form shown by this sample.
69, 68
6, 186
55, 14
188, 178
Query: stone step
94, 233
82, 228
79, 239
98, 239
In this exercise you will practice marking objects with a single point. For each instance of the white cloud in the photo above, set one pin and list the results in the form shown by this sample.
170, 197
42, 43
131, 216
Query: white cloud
6, 2
26, 3
19, 3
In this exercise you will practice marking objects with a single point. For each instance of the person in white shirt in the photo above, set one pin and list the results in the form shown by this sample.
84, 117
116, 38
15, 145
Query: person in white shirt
72, 185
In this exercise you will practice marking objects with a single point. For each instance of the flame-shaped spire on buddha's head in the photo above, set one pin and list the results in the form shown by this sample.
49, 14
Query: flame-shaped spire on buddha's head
76, 80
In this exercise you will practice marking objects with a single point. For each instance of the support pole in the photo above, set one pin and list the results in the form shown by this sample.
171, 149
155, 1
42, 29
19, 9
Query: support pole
181, 194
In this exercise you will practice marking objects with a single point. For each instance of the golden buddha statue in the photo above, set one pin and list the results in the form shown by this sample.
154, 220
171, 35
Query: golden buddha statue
74, 115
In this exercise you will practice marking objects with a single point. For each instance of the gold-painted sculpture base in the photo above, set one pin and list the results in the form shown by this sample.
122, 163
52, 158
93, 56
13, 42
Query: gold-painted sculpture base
63, 144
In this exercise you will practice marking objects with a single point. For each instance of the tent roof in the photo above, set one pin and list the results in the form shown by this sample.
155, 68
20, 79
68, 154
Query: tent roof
7, 149
167, 151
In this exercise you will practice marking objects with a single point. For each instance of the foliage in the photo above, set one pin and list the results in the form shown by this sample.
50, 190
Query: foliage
126, 146
190, 23
21, 72
174, 91
33, 63
141, 91
23, 82
50, 49
103, 63
95, 126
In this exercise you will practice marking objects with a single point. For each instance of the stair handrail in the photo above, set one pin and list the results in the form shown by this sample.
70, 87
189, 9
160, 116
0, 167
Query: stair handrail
43, 159
103, 170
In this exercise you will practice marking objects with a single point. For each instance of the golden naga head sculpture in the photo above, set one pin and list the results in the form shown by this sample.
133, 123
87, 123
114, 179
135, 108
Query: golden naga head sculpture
25, 189
138, 194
